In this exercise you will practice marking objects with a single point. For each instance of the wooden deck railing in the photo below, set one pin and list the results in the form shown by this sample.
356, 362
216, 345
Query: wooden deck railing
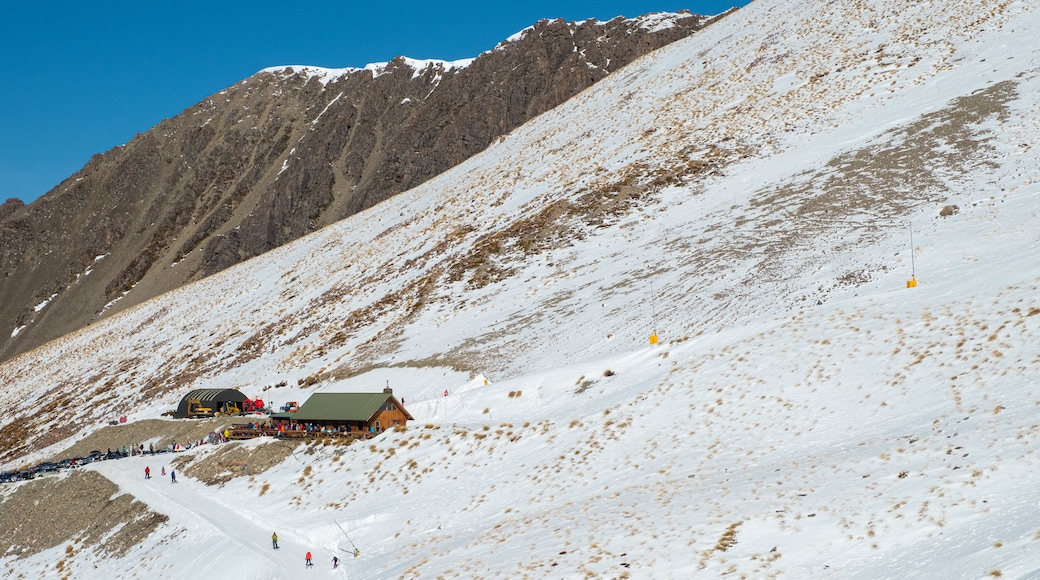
238, 433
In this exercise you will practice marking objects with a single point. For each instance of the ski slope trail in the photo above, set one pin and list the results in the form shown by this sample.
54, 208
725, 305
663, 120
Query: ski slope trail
223, 538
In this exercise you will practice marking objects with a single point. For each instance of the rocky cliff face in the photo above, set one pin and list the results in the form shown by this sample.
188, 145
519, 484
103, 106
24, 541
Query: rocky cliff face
275, 157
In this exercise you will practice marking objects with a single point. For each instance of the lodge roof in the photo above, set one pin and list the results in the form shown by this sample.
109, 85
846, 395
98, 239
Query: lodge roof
342, 407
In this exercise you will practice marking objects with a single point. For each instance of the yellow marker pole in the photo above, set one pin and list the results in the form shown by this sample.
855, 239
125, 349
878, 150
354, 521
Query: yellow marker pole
653, 316
912, 282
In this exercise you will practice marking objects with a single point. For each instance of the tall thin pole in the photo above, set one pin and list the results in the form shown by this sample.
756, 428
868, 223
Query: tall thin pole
356, 551
653, 311
913, 268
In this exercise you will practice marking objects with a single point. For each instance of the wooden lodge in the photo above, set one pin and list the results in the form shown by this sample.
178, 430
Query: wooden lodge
351, 414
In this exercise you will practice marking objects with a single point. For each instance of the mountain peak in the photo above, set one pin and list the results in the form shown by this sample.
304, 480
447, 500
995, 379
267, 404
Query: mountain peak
251, 168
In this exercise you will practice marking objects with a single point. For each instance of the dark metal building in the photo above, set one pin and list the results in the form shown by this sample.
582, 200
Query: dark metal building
211, 402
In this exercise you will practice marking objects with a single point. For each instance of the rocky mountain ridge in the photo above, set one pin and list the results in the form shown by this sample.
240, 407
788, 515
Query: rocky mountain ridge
276, 156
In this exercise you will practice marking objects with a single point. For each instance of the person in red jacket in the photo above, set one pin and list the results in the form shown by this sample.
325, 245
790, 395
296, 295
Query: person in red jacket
147, 472
309, 564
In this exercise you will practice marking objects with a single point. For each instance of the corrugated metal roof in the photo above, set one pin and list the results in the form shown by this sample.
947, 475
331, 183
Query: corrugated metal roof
208, 397
204, 395
343, 407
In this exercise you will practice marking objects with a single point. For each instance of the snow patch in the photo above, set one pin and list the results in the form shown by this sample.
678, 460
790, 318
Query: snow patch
419, 66
327, 107
324, 75
327, 75
658, 21
44, 304
515, 37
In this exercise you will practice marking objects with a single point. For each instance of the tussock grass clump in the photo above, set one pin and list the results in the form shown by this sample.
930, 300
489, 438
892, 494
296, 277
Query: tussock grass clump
728, 539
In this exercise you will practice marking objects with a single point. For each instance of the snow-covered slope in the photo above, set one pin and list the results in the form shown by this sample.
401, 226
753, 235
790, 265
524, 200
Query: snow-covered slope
748, 194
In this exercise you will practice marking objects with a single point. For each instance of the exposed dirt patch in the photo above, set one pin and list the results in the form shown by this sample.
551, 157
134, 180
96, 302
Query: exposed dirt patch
235, 459
36, 516
159, 431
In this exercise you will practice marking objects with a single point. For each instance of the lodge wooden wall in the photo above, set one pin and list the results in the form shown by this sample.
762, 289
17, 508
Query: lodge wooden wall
386, 418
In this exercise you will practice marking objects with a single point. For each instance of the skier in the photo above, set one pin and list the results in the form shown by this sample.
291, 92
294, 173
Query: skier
274, 540
164, 471
335, 562
173, 476
147, 472
309, 564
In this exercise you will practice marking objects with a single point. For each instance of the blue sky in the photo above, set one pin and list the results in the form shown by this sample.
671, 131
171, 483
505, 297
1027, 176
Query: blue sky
79, 78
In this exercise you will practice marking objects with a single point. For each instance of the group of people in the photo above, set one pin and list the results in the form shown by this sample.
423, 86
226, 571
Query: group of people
212, 439
139, 449
148, 474
311, 427
307, 558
